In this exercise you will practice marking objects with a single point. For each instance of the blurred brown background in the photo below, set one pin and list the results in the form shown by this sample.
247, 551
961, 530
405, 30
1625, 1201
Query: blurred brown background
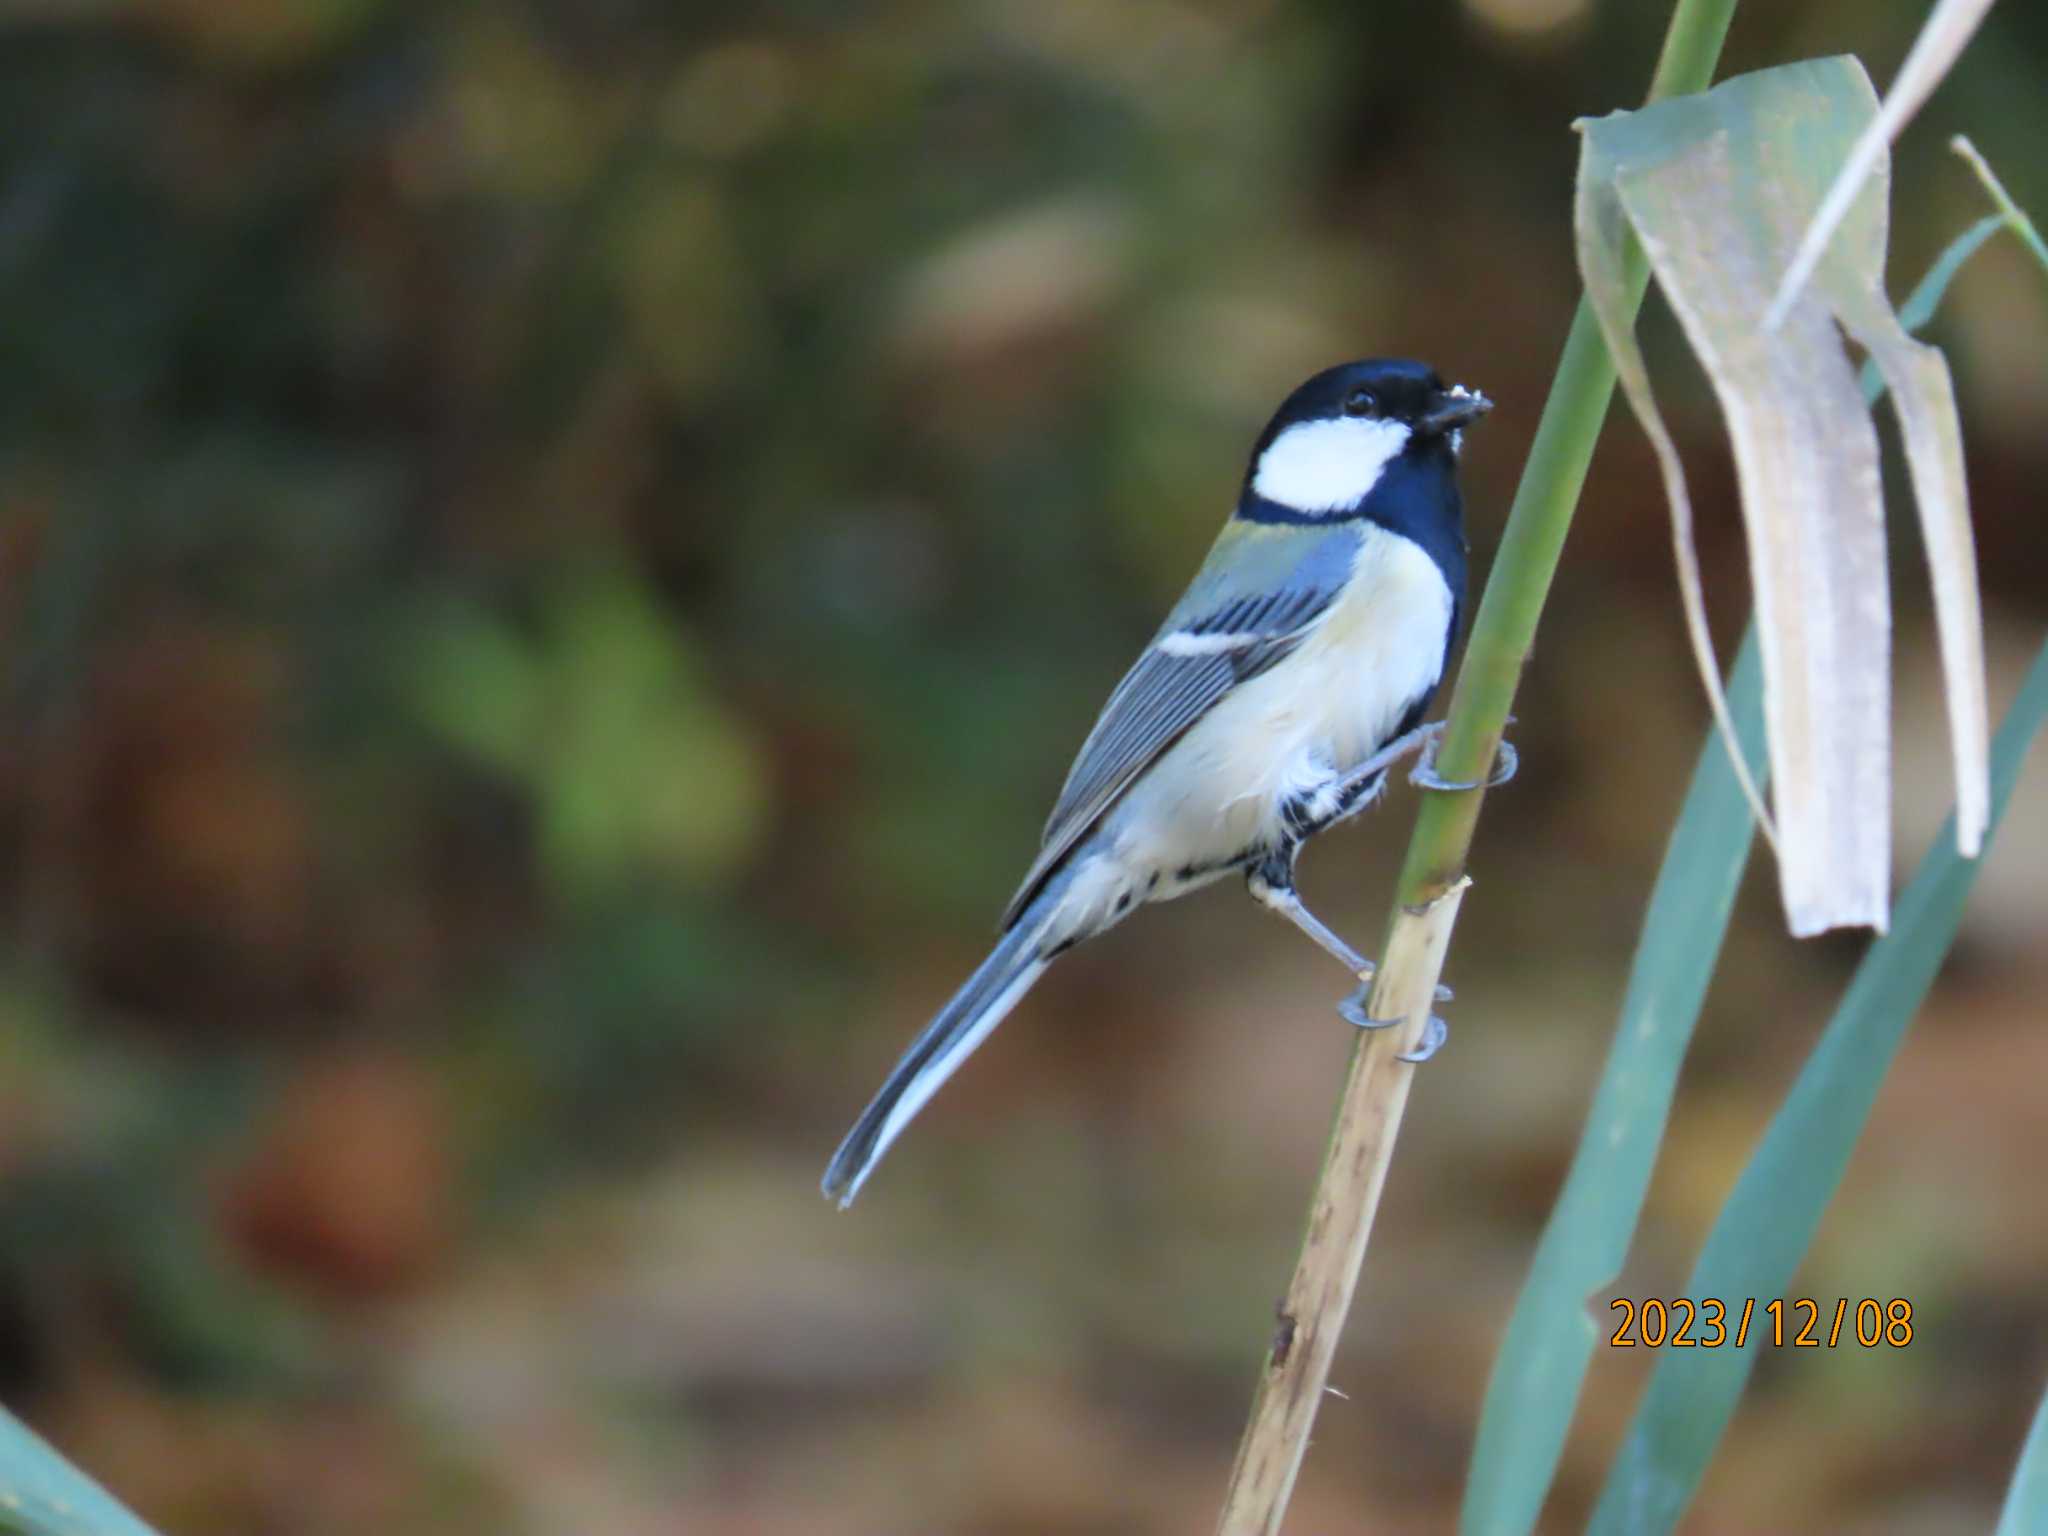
553, 558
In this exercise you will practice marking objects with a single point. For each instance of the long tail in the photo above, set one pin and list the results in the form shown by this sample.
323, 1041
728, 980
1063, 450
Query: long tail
976, 1009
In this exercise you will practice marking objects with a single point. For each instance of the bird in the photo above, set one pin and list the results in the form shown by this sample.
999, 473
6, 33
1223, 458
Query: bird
1267, 708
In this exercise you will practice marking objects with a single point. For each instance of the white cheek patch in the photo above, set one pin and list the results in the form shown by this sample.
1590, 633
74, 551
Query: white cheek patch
1328, 466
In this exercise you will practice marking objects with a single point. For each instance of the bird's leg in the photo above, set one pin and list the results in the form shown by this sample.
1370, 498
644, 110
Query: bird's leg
1422, 739
1271, 882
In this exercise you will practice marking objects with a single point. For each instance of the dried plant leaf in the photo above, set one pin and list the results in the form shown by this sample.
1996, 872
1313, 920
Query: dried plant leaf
1602, 232
1923, 394
1718, 187
1806, 457
1950, 26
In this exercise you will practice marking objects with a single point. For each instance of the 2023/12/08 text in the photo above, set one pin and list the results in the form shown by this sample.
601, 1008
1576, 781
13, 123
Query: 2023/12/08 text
1798, 1323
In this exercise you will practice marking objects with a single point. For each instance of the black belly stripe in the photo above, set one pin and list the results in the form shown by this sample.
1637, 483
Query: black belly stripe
1237, 860
1363, 790
1306, 815
1299, 817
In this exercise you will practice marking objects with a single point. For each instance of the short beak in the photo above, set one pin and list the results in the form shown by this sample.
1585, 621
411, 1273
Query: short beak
1455, 407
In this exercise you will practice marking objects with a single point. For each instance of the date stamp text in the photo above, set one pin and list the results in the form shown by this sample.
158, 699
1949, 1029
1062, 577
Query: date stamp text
1783, 1323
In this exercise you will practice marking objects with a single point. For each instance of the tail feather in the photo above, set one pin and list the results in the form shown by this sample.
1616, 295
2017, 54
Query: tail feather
976, 1009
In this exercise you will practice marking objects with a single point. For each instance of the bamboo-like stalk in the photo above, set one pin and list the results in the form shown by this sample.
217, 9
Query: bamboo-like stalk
1433, 877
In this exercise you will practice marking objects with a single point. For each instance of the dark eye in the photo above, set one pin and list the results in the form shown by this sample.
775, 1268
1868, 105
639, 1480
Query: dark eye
1361, 402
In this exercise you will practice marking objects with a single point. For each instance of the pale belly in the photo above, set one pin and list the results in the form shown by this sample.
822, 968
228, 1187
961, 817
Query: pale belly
1219, 794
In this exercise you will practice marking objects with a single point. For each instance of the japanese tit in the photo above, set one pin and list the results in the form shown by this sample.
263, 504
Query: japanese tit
1312, 638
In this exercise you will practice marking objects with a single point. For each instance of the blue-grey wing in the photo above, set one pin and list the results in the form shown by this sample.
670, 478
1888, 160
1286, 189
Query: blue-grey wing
1258, 596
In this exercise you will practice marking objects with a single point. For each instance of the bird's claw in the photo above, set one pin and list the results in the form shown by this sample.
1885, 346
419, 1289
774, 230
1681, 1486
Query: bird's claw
1353, 1011
1434, 1034
1424, 775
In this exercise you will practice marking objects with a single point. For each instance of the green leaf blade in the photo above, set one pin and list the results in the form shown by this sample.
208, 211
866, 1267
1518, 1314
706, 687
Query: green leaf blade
1550, 1340
42, 1494
2026, 1500
1769, 1220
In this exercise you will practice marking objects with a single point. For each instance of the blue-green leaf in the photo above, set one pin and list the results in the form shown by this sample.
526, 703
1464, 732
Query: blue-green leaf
2026, 1501
1550, 1339
1549, 1342
42, 1494
1768, 1223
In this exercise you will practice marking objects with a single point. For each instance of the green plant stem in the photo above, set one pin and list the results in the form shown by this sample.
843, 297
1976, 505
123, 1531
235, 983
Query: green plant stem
1513, 602
1376, 1088
1539, 519
2015, 217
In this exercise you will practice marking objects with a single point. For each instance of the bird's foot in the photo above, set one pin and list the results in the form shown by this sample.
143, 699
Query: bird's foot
1424, 775
1353, 1011
1353, 1008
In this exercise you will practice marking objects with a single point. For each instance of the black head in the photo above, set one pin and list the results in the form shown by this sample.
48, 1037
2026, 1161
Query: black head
1331, 441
